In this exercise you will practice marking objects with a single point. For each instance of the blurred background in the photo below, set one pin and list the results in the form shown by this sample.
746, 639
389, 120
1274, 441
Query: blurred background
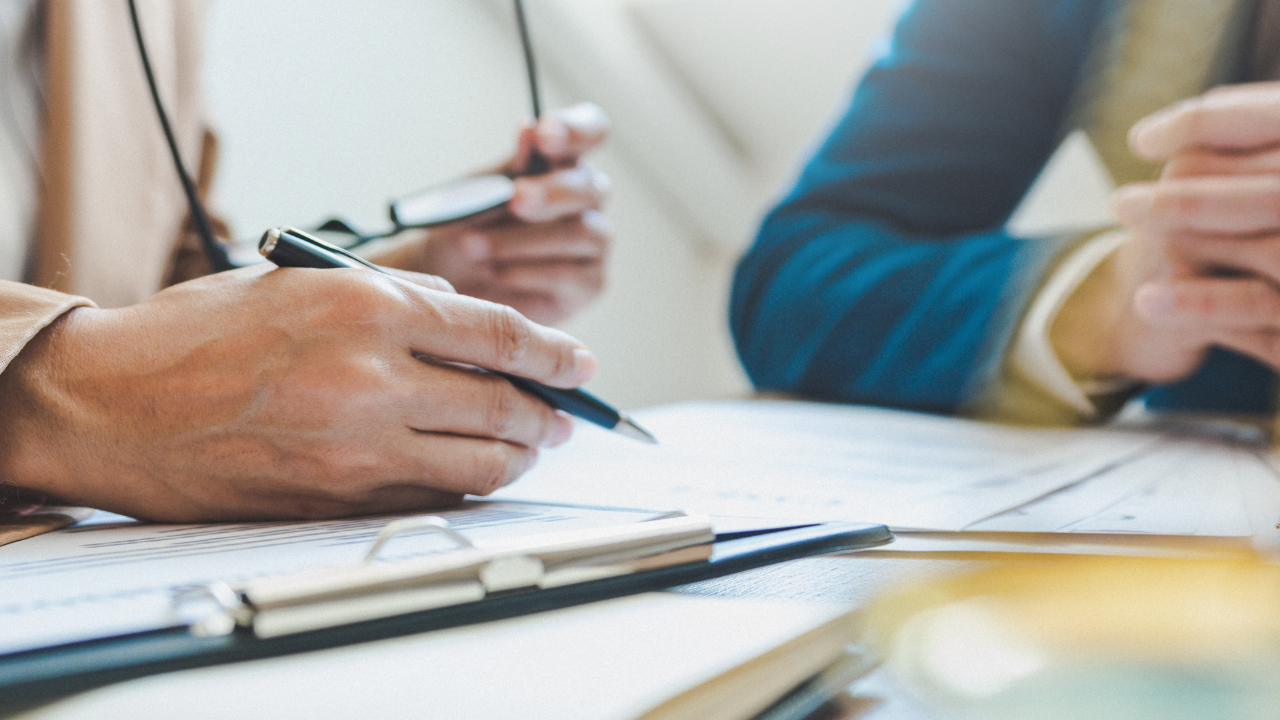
334, 106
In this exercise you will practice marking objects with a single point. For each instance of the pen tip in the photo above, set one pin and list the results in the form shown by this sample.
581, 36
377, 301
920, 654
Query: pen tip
627, 426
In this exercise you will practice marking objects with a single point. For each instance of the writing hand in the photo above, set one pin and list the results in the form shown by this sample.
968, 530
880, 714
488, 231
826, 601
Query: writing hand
288, 393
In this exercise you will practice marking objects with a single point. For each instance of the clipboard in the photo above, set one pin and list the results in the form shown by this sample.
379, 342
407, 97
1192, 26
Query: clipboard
32, 677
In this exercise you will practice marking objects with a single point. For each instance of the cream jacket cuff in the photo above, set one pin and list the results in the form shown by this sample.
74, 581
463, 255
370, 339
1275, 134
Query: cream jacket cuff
1032, 356
25, 310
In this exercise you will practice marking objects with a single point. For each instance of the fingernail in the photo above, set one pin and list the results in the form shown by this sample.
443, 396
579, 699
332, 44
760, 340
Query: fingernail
562, 431
1133, 203
584, 365
1158, 135
1154, 301
475, 246
1145, 136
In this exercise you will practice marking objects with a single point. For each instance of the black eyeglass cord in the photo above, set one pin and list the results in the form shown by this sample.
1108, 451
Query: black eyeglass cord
214, 251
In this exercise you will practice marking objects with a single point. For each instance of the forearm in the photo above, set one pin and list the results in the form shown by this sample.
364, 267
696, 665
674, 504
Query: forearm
25, 314
854, 311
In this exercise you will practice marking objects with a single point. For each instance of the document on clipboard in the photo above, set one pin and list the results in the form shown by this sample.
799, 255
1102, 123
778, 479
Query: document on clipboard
185, 600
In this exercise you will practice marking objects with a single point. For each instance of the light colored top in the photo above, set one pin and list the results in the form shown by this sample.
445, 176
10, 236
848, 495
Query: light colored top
1032, 357
21, 107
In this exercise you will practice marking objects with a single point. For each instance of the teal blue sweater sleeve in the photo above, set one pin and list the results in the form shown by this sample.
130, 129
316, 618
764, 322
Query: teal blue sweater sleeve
885, 275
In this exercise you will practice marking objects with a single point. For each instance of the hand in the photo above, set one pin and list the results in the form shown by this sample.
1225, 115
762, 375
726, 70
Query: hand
543, 254
1203, 263
282, 394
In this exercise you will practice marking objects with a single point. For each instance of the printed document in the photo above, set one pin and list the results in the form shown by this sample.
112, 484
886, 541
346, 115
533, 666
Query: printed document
811, 461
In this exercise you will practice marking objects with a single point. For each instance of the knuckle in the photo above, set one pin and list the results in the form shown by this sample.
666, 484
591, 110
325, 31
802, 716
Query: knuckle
356, 295
511, 334
500, 410
493, 468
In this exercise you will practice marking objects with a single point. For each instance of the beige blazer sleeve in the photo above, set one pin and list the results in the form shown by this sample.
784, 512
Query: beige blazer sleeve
25, 310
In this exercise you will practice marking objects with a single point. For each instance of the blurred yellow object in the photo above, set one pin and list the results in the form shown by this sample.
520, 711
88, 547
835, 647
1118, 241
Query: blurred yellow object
1097, 638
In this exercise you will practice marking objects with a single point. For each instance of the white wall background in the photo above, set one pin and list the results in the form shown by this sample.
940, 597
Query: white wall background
334, 106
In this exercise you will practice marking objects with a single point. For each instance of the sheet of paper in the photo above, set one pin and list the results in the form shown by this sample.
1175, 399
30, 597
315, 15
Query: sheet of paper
815, 461
1178, 486
104, 578
967, 543
1261, 489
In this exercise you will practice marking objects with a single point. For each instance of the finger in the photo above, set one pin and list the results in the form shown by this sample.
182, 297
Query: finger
1206, 205
1258, 256
526, 142
468, 465
572, 282
431, 282
460, 401
566, 134
583, 238
467, 330
1263, 345
559, 194
313, 503
1214, 304
1194, 163
1240, 117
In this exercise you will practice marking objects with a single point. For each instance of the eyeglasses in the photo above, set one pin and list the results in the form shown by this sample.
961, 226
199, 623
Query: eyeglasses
458, 200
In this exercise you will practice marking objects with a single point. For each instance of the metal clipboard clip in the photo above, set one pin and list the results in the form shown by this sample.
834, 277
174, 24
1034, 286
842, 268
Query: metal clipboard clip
368, 590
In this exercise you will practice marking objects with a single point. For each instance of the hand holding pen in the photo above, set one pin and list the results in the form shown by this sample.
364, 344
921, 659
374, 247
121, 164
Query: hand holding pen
289, 247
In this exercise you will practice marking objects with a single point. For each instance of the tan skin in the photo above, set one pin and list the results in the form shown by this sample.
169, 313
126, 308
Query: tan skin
1202, 266
288, 393
542, 254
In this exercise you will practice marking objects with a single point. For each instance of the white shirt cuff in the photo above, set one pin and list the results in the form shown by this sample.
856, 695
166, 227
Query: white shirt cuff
1032, 355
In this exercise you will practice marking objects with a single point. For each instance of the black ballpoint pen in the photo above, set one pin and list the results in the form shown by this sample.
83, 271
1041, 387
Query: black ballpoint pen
289, 247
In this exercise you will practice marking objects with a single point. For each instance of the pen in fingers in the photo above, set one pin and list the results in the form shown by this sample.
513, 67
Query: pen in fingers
537, 163
289, 247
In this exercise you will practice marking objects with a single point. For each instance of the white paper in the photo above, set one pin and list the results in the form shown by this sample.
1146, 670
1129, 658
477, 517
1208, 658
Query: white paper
1178, 486
100, 579
813, 461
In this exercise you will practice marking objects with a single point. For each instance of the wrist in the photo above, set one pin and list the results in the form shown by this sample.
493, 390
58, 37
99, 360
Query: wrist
1092, 325
33, 440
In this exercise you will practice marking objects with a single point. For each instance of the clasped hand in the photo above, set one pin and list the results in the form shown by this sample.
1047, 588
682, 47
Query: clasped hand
1202, 267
